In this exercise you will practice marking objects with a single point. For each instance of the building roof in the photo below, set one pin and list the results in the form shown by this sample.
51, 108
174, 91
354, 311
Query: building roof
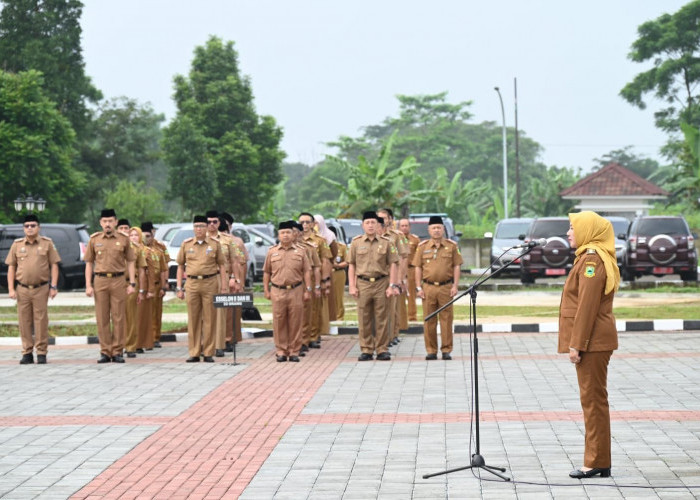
613, 180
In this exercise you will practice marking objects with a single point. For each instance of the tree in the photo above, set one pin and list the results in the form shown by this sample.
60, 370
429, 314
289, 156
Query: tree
643, 167
372, 184
123, 142
136, 202
45, 35
36, 148
235, 146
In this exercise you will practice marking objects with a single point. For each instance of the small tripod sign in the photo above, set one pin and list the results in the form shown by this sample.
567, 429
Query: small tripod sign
233, 300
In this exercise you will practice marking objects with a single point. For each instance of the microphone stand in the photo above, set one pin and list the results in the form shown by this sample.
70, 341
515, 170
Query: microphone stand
477, 460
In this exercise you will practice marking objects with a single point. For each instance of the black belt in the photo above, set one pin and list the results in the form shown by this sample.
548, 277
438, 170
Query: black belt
287, 287
439, 283
326, 279
372, 280
201, 276
109, 275
33, 286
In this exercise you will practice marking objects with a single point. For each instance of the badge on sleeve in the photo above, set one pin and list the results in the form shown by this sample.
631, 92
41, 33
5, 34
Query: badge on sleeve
589, 272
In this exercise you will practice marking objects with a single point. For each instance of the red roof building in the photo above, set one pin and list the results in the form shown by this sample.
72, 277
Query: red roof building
614, 190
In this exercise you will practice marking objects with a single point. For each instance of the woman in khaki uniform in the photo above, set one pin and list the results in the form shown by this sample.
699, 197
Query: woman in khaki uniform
132, 319
587, 331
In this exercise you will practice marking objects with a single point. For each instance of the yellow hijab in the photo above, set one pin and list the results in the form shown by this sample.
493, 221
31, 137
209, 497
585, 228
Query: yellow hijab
593, 231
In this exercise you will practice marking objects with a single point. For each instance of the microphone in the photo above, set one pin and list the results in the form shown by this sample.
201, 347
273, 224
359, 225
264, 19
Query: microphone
534, 243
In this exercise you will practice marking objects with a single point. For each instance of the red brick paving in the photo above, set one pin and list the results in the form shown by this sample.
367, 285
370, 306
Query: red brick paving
216, 447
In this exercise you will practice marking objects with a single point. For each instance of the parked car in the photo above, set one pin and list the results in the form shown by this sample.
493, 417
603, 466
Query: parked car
553, 259
351, 228
165, 232
419, 226
267, 229
620, 226
660, 245
71, 242
255, 260
339, 229
258, 250
508, 233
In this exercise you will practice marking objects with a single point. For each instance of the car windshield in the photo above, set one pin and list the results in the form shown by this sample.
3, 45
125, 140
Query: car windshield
420, 229
548, 228
652, 227
352, 229
620, 226
181, 236
511, 230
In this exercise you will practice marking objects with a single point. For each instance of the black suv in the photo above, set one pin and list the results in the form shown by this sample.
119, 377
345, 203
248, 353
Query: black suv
553, 259
70, 240
660, 245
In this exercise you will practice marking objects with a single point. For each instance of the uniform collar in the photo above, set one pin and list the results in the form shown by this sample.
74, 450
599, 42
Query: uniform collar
437, 243
35, 242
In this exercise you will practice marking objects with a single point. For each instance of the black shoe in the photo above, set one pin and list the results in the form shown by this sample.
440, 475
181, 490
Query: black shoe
149, 348
579, 474
219, 353
140, 351
302, 354
104, 359
384, 356
117, 359
315, 345
281, 359
304, 348
130, 354
365, 357
294, 359
157, 344
446, 356
430, 357
229, 347
41, 359
27, 359
193, 359
208, 359
397, 339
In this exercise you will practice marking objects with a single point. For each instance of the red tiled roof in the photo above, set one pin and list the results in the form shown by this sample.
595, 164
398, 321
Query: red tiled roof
613, 180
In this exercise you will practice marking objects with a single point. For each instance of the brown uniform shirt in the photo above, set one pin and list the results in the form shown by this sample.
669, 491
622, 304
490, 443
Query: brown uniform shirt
342, 253
229, 249
311, 252
109, 253
150, 256
437, 259
286, 266
200, 259
33, 261
413, 242
324, 251
400, 242
372, 257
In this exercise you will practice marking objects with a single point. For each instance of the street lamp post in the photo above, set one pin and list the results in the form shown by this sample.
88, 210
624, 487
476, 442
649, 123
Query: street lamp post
505, 157
30, 203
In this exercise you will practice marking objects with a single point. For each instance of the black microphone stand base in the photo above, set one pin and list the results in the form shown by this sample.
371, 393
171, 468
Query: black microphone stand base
478, 462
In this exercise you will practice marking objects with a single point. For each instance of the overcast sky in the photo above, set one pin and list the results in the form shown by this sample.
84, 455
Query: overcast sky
326, 68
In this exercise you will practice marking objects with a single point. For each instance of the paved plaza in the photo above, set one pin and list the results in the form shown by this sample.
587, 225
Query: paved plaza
332, 427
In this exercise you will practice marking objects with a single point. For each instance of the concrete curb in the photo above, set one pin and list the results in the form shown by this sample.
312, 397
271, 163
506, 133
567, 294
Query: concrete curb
665, 325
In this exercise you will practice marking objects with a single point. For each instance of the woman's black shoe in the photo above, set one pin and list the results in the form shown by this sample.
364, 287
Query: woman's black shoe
579, 474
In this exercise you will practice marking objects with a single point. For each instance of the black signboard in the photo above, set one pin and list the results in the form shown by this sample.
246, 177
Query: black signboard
233, 300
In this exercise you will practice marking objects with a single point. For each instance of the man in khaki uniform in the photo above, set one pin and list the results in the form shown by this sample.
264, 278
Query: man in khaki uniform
200, 259
32, 265
131, 344
437, 262
233, 322
124, 227
325, 256
372, 271
312, 254
287, 282
230, 251
340, 264
398, 240
161, 253
109, 256
410, 295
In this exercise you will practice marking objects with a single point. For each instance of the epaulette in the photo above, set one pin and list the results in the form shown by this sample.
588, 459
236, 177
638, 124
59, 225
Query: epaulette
45, 238
19, 239
423, 242
189, 239
160, 244
385, 237
95, 234
358, 236
590, 250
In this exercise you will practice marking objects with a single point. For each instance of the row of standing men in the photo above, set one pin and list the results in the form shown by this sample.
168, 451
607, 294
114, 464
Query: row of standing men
386, 268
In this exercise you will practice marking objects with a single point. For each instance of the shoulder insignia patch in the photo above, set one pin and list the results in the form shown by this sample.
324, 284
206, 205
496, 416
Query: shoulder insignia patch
589, 272
590, 251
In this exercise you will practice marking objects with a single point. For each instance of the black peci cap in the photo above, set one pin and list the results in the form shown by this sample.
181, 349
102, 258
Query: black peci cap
200, 218
435, 219
107, 212
370, 214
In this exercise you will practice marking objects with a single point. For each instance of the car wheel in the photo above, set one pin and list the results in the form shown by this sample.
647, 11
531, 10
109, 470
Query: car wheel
690, 276
627, 276
527, 278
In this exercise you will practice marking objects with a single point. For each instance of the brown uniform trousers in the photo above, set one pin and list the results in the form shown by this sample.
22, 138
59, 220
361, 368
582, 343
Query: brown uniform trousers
32, 310
110, 255
287, 267
131, 342
32, 263
437, 260
401, 244
338, 278
373, 315
157, 309
145, 307
413, 242
586, 323
312, 255
224, 315
234, 317
319, 323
